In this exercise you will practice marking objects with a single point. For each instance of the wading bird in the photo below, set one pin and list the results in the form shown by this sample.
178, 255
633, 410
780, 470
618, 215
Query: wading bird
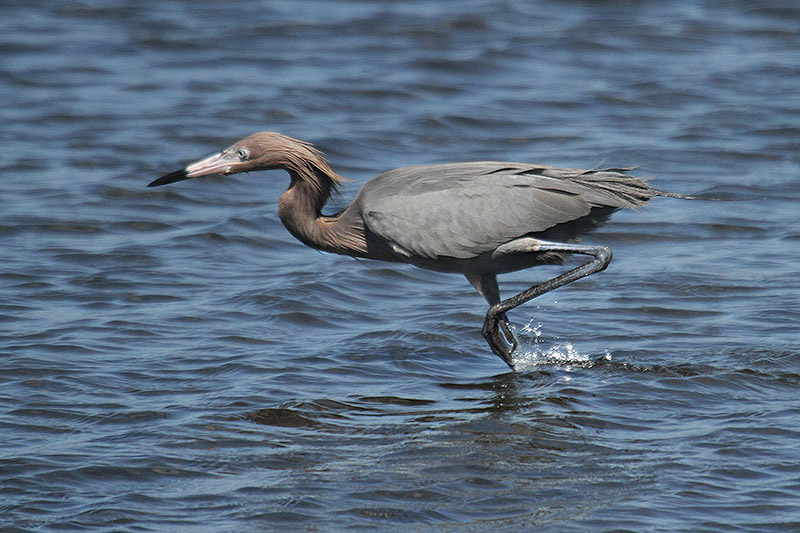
479, 219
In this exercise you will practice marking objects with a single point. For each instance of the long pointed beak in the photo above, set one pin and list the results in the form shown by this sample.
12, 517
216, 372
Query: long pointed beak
221, 163
178, 175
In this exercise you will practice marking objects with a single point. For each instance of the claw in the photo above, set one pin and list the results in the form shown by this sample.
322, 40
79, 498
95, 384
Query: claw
506, 327
491, 332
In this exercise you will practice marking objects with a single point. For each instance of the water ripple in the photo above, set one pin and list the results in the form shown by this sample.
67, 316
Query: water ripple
172, 359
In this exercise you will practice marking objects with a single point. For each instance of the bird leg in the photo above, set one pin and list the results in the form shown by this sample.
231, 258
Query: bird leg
486, 285
496, 315
497, 343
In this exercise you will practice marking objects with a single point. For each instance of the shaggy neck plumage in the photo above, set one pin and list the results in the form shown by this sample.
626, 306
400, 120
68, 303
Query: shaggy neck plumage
314, 184
300, 210
306, 164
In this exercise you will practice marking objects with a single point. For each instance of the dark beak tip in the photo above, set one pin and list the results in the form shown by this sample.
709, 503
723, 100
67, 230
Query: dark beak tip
178, 175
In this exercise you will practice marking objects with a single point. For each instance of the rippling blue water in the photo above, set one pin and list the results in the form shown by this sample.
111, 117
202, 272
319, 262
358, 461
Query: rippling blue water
171, 359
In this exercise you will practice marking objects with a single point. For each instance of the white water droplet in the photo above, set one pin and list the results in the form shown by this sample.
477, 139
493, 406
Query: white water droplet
538, 351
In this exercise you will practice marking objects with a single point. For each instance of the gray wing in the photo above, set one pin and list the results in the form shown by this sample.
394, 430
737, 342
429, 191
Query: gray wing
463, 210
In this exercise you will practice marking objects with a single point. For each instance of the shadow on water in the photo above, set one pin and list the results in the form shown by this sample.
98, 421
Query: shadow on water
506, 446
553, 444
549, 374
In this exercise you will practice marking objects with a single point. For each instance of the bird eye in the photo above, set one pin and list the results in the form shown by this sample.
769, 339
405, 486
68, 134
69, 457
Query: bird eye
243, 154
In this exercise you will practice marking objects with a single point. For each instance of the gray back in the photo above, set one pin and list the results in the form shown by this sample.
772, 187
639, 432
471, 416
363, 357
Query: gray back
465, 209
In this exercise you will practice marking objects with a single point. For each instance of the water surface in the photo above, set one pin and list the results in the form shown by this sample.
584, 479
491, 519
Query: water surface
172, 359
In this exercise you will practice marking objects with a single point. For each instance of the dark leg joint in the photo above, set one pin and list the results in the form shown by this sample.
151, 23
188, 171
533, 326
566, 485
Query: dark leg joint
603, 256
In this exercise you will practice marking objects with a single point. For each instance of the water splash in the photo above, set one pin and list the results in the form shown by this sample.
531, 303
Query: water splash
534, 350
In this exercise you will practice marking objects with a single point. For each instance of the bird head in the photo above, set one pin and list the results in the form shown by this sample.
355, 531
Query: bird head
261, 151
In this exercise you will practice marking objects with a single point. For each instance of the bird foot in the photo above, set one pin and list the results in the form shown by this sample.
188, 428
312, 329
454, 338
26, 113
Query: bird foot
492, 326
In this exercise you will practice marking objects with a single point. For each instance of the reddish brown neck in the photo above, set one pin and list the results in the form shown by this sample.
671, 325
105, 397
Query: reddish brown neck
300, 210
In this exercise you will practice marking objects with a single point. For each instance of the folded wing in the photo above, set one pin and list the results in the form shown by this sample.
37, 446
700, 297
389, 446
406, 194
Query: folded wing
466, 209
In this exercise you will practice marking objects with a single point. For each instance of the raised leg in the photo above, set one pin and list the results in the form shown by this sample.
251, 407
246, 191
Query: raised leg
496, 319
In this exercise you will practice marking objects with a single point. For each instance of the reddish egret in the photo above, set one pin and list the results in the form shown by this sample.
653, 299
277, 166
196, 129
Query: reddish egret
479, 219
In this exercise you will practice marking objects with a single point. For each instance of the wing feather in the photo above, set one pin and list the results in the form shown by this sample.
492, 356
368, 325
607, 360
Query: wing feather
466, 209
